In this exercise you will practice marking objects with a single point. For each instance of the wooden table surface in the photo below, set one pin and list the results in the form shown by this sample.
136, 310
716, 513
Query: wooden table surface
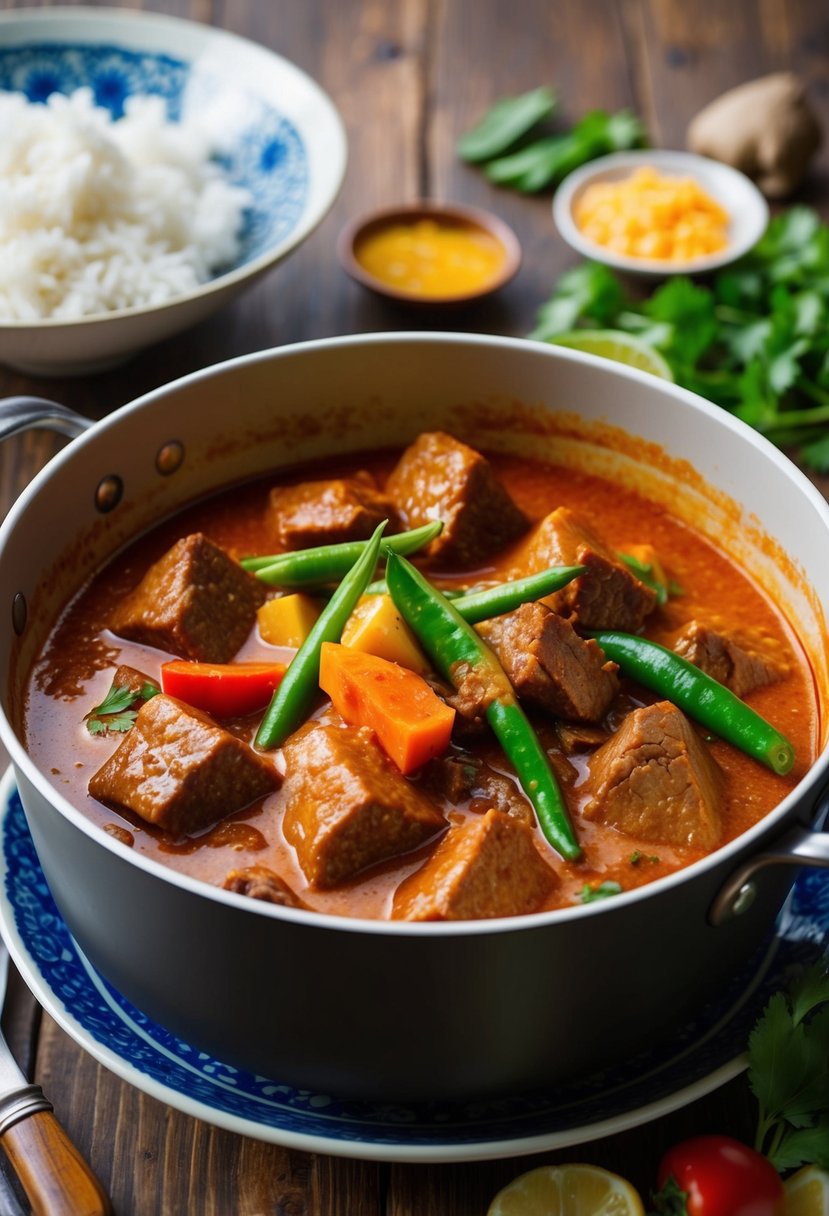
408, 77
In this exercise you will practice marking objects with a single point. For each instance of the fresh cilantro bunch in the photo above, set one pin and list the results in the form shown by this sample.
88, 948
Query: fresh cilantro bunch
755, 340
515, 150
789, 1073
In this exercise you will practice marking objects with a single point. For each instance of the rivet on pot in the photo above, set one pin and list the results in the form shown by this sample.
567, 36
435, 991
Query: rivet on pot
744, 898
108, 493
20, 612
169, 457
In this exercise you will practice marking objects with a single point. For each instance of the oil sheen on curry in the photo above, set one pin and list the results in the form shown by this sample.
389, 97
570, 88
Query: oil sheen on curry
479, 725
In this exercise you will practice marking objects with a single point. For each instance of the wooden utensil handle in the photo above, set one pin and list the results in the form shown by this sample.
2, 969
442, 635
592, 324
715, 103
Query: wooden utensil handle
55, 1177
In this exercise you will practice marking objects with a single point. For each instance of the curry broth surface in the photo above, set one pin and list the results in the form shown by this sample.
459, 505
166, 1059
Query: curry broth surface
75, 671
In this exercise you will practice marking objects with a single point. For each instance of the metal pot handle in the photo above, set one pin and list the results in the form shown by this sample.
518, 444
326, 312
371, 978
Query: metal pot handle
800, 846
19, 414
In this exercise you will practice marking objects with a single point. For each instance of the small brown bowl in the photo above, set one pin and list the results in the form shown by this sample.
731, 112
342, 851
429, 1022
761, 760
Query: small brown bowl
467, 220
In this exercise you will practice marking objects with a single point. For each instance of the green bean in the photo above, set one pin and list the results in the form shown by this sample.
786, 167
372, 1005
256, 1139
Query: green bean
329, 563
294, 696
701, 697
475, 606
505, 597
452, 644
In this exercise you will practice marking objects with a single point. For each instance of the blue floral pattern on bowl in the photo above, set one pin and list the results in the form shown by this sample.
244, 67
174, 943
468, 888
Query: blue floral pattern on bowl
705, 1052
265, 153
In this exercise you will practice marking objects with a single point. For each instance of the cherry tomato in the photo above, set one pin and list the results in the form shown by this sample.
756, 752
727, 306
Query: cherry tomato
226, 690
723, 1177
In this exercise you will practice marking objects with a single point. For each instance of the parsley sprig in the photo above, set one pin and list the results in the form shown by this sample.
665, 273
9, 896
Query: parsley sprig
756, 341
789, 1073
116, 712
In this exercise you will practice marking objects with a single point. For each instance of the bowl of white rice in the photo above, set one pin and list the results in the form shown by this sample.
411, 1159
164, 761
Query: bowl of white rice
150, 170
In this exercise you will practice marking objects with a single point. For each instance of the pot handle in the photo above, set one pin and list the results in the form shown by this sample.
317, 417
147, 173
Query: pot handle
800, 846
19, 414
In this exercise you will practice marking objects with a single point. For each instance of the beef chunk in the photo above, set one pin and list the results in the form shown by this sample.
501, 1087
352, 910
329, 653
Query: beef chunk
196, 602
655, 780
485, 867
550, 666
468, 779
179, 771
328, 512
742, 665
607, 595
133, 679
438, 477
260, 882
347, 805
576, 738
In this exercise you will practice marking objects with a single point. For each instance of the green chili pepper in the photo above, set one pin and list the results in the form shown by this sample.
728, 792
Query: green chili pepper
504, 123
329, 563
293, 697
453, 644
701, 697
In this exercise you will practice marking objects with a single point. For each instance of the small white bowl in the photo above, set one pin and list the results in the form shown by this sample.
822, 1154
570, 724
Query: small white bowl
732, 190
280, 134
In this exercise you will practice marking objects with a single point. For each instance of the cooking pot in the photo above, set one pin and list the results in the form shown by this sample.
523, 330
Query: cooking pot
399, 1010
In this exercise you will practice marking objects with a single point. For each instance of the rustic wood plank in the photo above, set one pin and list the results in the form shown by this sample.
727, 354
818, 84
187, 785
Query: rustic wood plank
577, 47
685, 58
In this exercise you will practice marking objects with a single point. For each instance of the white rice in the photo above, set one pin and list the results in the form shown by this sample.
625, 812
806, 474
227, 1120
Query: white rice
97, 214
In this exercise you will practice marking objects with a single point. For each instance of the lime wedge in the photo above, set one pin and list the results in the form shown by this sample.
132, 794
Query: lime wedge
618, 345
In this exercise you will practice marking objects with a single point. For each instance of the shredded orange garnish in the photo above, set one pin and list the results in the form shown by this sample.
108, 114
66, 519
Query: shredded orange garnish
647, 215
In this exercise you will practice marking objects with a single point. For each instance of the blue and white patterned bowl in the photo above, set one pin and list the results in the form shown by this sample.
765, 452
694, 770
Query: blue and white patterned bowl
285, 139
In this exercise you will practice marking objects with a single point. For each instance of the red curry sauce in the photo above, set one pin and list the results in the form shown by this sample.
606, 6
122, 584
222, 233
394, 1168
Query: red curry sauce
76, 668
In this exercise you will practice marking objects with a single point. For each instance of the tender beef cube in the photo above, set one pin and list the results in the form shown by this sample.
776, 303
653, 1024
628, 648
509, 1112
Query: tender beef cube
133, 679
347, 806
486, 867
179, 771
196, 602
550, 666
452, 777
577, 738
494, 790
607, 595
260, 882
740, 664
438, 477
328, 512
467, 779
655, 780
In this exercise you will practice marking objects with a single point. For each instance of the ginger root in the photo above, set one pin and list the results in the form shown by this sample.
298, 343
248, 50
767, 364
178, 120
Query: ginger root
766, 128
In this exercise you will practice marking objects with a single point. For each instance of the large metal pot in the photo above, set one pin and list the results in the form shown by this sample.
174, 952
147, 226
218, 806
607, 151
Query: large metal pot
409, 1010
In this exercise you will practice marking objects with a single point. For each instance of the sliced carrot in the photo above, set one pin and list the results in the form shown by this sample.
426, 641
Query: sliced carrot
410, 720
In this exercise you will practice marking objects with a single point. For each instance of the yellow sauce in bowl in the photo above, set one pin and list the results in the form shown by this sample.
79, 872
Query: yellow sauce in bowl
431, 258
648, 215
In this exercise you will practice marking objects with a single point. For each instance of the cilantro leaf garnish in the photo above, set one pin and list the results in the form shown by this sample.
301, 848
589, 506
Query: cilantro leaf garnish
116, 712
602, 891
789, 1073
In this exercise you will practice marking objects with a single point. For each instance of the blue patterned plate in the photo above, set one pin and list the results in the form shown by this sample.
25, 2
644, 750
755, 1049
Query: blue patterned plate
705, 1054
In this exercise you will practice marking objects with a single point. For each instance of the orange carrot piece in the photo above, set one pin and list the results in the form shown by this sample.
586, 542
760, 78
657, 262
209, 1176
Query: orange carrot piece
410, 721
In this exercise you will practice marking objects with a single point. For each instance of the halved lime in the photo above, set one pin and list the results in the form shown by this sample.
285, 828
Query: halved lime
618, 345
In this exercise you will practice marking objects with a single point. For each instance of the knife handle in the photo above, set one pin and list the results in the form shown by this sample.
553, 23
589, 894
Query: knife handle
55, 1177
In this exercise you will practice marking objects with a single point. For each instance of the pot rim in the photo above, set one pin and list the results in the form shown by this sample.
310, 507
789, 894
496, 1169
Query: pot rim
726, 853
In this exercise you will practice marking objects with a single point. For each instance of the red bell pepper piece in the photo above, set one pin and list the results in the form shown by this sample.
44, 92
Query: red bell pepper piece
225, 690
